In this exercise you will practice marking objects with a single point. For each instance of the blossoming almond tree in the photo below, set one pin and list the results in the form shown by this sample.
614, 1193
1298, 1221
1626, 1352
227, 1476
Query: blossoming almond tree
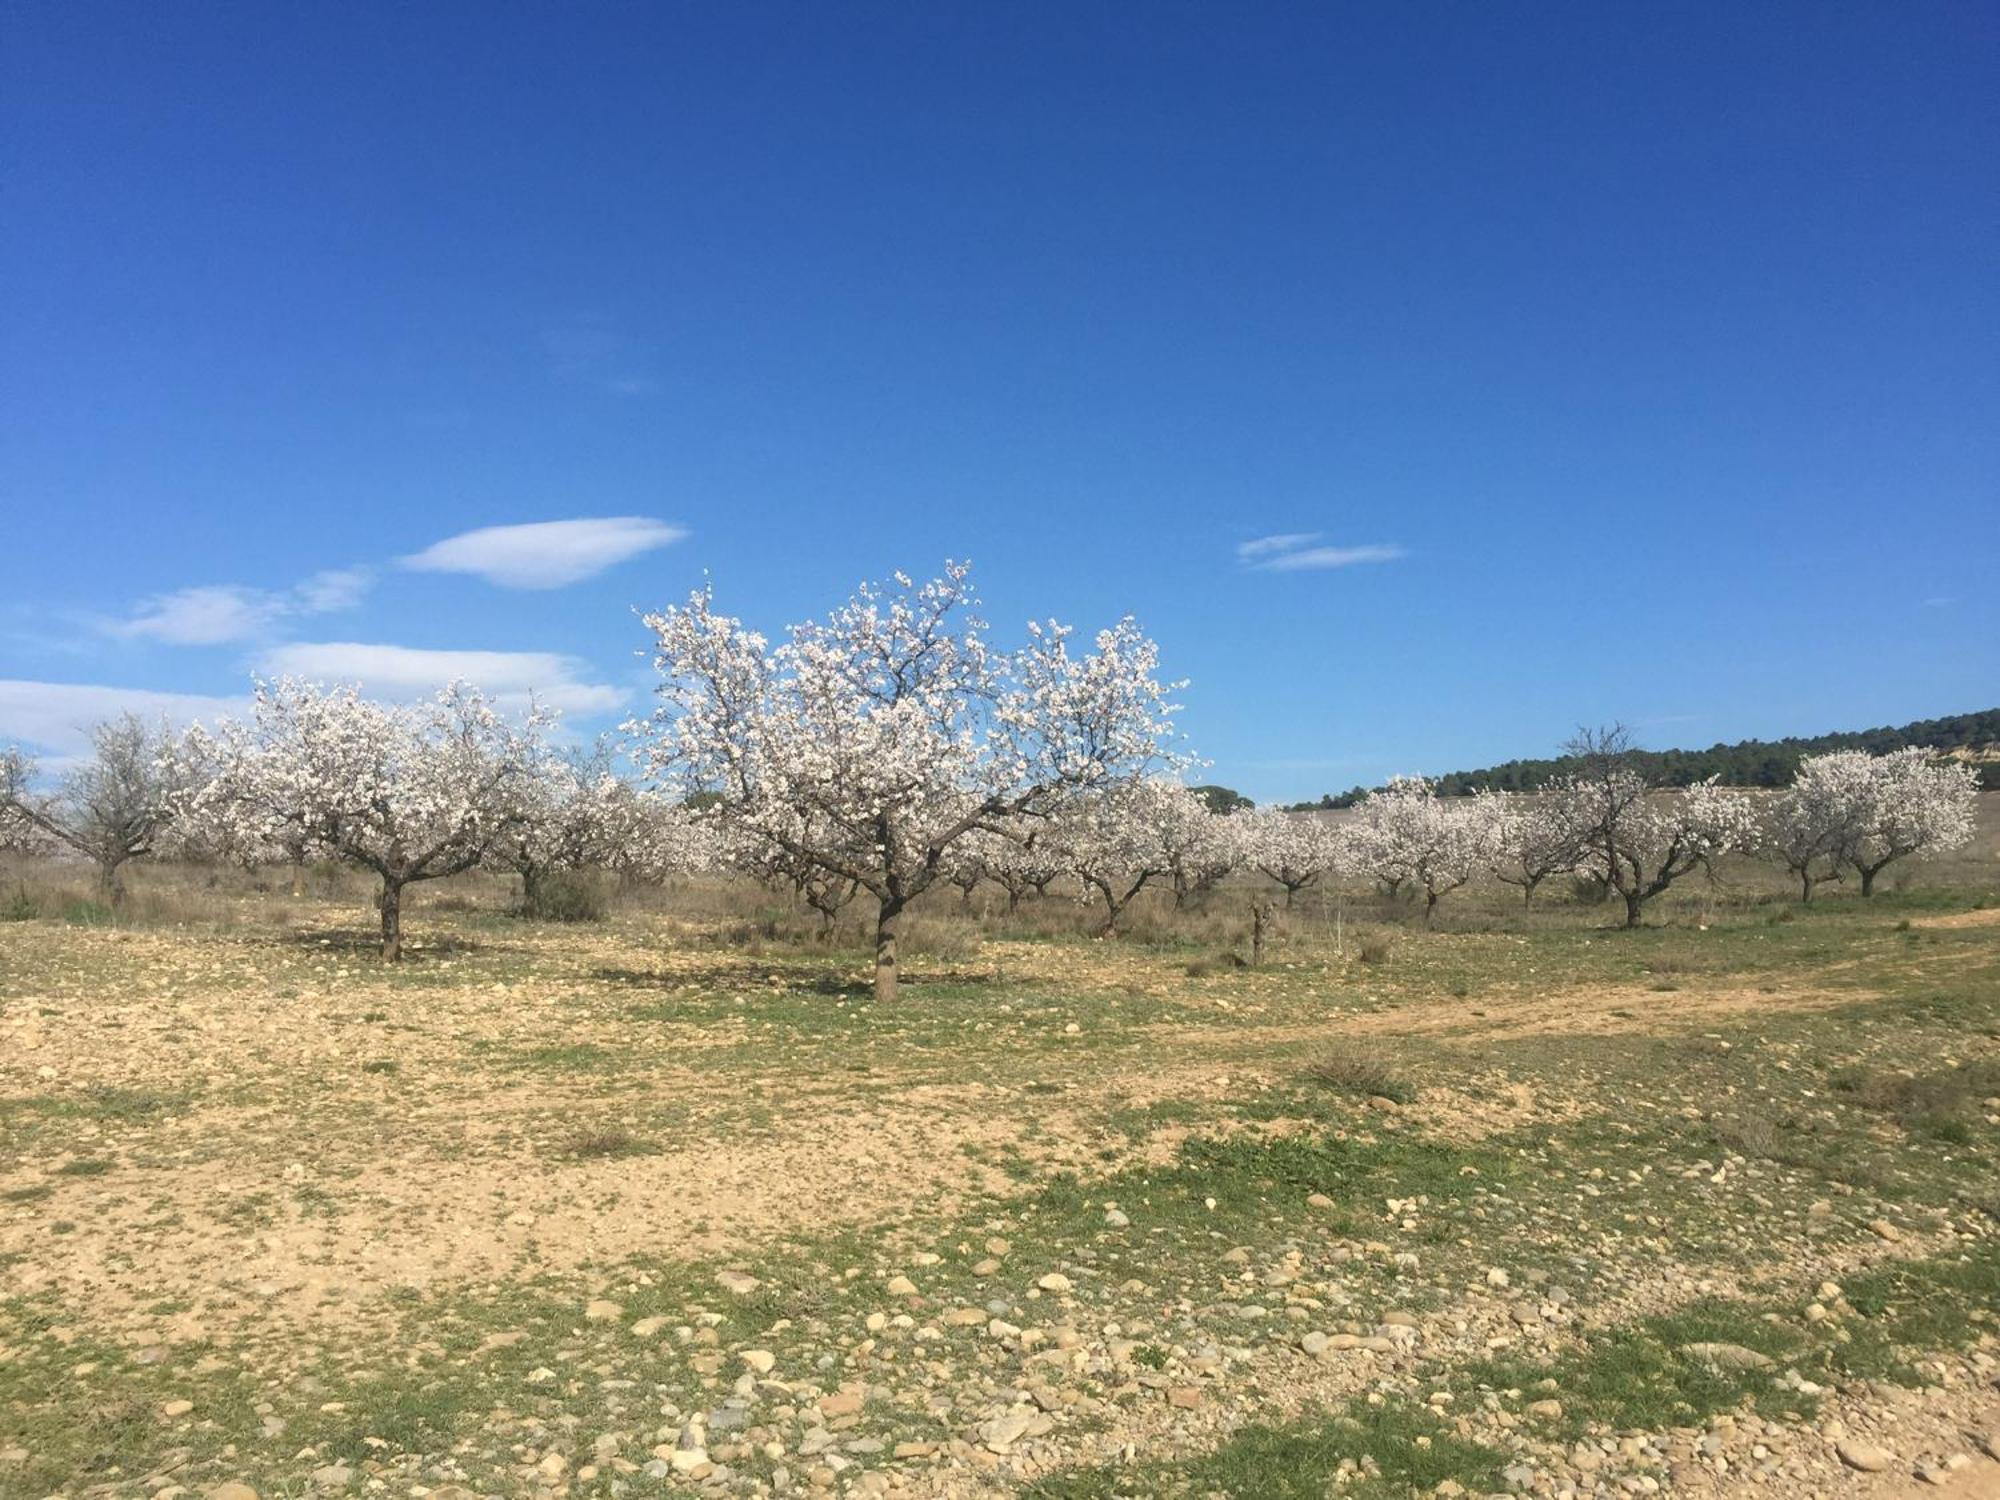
1641, 841
1294, 849
1121, 838
413, 792
1031, 862
1815, 823
872, 742
1907, 802
1535, 837
1407, 834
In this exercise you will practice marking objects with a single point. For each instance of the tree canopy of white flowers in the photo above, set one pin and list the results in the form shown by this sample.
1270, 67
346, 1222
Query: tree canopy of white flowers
1203, 847
1852, 809
412, 792
1033, 862
113, 808
870, 743
576, 813
1121, 838
1813, 826
1293, 848
1637, 840
1406, 834
1535, 837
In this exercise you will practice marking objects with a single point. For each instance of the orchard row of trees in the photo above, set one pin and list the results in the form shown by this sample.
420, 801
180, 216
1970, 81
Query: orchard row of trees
891, 748
1746, 763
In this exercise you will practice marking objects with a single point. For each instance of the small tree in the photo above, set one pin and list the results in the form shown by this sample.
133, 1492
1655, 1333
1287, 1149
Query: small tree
1116, 841
1907, 803
1293, 848
573, 813
1031, 862
1534, 839
1812, 827
1406, 833
1201, 845
871, 743
1638, 840
112, 809
413, 792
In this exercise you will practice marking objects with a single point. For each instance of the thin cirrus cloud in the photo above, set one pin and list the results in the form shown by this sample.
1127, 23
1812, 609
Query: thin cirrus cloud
1300, 551
510, 678
545, 554
55, 718
591, 349
217, 614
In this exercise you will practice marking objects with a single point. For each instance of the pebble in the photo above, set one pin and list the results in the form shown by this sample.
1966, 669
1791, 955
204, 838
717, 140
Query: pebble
1055, 1281
761, 1361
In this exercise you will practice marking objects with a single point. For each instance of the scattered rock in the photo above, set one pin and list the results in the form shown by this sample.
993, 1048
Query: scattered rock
602, 1310
176, 1408
738, 1283
1727, 1356
844, 1402
1055, 1281
760, 1361
1866, 1457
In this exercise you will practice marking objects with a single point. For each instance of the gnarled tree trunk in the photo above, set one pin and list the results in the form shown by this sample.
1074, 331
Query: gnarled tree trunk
392, 920
886, 923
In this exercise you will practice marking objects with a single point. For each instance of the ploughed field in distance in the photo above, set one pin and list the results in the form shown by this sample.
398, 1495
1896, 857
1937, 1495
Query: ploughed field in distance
667, 1204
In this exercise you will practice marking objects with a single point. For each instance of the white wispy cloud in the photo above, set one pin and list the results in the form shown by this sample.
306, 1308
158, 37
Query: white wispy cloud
207, 616
219, 613
1264, 546
389, 672
545, 554
54, 718
1327, 557
334, 589
590, 349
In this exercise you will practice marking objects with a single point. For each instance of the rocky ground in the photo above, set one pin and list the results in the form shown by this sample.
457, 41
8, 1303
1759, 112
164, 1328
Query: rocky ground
1514, 1208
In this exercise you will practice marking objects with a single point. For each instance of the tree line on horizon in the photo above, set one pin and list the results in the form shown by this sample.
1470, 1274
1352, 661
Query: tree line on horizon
1746, 763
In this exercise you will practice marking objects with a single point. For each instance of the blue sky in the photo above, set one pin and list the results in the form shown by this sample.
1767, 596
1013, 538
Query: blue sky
1604, 361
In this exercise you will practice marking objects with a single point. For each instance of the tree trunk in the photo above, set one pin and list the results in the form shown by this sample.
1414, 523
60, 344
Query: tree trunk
1430, 906
298, 878
1528, 893
531, 890
392, 921
1013, 900
1805, 886
1634, 902
1291, 891
108, 884
886, 923
1868, 875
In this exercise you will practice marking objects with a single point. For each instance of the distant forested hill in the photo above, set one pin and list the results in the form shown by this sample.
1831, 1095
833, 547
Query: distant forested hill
1746, 763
